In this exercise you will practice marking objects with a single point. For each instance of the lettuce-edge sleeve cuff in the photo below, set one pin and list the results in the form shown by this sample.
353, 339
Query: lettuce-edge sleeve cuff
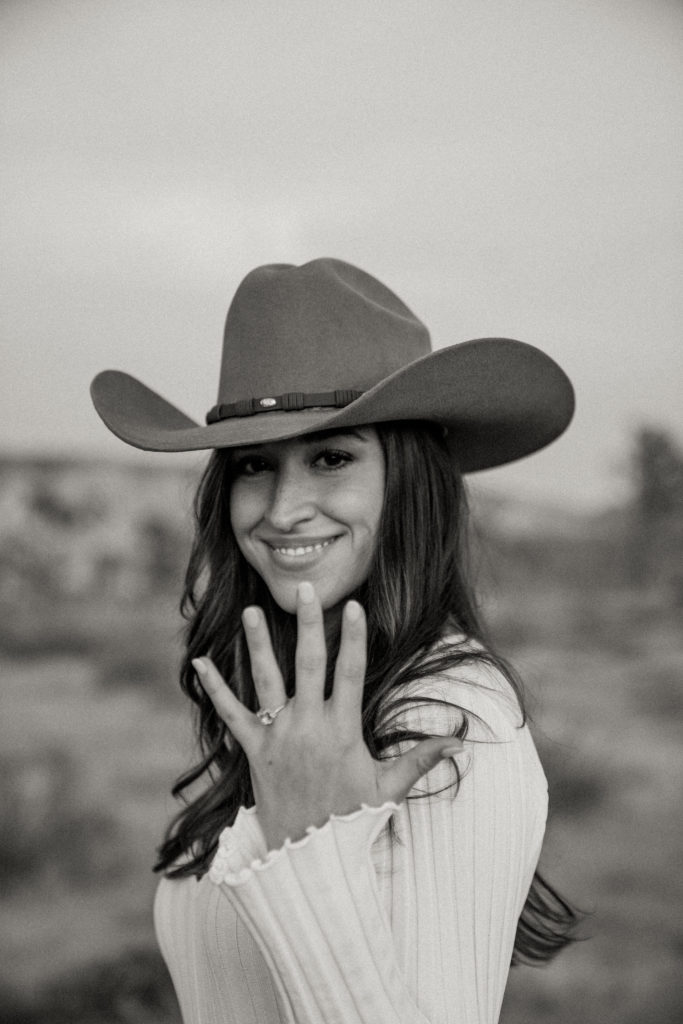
313, 908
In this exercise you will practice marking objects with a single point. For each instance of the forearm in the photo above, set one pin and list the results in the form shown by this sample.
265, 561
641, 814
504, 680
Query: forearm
315, 911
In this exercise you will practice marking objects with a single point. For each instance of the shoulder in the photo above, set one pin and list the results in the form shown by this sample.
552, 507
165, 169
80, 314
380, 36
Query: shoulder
461, 682
465, 693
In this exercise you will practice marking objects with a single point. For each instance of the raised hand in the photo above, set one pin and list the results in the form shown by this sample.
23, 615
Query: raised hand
311, 761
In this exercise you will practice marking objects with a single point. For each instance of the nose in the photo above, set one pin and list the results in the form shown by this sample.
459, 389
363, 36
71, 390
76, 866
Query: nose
292, 499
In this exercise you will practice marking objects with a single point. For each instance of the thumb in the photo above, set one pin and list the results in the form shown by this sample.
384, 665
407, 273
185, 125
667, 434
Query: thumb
402, 773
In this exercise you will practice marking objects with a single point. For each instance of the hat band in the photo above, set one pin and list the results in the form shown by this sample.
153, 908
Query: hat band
291, 402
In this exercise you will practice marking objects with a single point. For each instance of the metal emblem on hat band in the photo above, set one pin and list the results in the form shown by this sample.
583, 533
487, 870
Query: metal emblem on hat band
293, 401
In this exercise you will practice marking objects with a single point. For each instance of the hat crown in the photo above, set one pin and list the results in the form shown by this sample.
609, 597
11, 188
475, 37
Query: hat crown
327, 346
323, 326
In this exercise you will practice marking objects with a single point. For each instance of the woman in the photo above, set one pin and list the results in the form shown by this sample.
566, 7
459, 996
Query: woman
371, 807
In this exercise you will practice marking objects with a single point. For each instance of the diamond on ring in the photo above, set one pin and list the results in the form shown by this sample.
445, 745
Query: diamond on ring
267, 716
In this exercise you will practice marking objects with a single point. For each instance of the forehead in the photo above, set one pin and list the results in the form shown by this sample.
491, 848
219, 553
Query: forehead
361, 435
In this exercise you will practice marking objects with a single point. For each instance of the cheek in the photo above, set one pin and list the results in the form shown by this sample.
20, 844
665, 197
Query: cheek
243, 511
371, 506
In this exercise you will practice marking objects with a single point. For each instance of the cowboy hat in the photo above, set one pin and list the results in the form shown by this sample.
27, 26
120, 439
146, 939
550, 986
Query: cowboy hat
326, 345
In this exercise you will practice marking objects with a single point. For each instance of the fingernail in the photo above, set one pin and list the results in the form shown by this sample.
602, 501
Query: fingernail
250, 617
306, 593
199, 667
452, 750
353, 611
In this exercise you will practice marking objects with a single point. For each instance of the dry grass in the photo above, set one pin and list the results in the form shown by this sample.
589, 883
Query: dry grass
608, 725
92, 734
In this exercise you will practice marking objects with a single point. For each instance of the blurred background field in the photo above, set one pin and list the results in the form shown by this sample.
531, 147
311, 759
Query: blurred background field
93, 731
510, 169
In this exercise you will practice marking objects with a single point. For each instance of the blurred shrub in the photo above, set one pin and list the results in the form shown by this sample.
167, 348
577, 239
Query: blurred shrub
24, 635
657, 531
128, 646
576, 785
661, 695
135, 669
100, 533
47, 830
57, 504
164, 544
142, 654
132, 989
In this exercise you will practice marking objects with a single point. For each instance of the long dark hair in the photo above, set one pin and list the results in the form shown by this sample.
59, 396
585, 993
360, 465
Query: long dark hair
418, 585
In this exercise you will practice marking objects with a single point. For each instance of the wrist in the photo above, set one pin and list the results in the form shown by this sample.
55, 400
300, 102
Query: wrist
277, 828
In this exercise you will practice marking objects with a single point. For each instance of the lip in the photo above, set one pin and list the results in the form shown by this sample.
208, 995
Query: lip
295, 552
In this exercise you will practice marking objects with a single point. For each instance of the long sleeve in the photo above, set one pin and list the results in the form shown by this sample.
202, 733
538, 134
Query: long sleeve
359, 927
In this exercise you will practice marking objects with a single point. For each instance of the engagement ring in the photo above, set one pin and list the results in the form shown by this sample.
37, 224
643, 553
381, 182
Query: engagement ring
268, 715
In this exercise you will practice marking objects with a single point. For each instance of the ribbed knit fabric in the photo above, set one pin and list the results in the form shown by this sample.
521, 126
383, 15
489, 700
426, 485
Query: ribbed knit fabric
347, 926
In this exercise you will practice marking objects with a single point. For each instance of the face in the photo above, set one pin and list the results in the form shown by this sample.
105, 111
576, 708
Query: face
309, 509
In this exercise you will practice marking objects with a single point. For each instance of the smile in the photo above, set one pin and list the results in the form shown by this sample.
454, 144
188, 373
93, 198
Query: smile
308, 549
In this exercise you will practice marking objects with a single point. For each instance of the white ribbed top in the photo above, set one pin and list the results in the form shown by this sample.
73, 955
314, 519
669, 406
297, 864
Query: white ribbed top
346, 926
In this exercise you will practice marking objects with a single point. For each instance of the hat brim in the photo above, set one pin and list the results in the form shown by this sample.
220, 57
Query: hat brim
499, 399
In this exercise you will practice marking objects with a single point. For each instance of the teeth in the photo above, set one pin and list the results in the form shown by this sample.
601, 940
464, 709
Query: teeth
294, 552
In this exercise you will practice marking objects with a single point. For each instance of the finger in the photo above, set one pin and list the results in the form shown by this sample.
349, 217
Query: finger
311, 655
241, 722
400, 775
268, 682
349, 670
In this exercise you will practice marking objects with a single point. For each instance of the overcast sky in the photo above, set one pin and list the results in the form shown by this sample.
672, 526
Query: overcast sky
508, 168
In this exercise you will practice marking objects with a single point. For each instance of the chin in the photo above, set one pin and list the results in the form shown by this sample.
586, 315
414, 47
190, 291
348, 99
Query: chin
284, 595
285, 598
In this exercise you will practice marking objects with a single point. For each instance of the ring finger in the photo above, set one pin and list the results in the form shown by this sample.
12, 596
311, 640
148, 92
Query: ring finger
268, 682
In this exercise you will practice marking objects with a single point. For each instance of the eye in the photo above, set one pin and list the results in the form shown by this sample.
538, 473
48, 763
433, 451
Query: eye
251, 465
332, 458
